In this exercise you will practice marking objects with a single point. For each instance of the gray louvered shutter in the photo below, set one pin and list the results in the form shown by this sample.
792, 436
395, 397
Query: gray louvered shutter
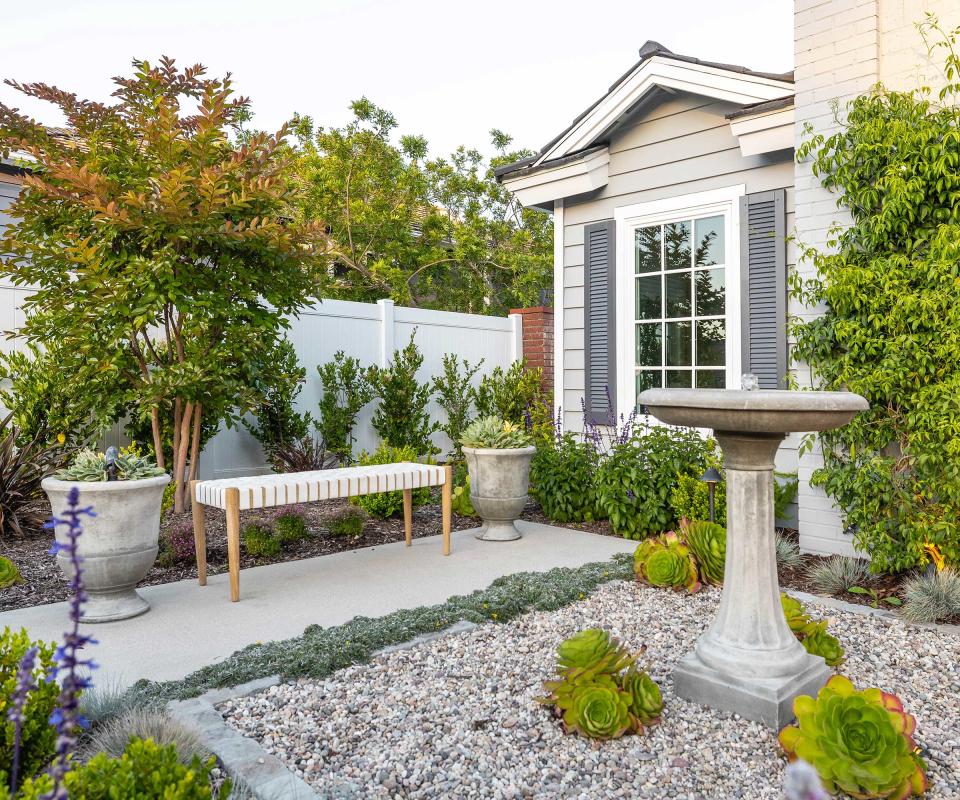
763, 253
599, 318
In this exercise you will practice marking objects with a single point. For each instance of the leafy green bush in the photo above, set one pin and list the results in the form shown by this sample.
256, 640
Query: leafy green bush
859, 742
888, 287
348, 521
460, 502
690, 499
9, 574
562, 476
38, 737
401, 418
495, 433
290, 527
512, 393
259, 541
279, 379
346, 390
388, 504
455, 393
636, 480
144, 770
784, 492
598, 692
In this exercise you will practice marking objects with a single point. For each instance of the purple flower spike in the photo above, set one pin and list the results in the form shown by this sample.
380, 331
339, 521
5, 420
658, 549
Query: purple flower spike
25, 684
71, 667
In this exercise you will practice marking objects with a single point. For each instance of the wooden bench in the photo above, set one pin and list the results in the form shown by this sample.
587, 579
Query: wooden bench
234, 495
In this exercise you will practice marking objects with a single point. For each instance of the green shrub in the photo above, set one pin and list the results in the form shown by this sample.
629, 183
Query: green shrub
690, 498
460, 502
290, 527
346, 390
455, 393
784, 492
259, 541
562, 476
145, 770
636, 480
278, 379
512, 393
401, 418
38, 737
347, 521
166, 502
9, 574
388, 504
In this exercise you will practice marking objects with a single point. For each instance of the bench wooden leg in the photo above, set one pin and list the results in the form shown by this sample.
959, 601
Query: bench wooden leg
446, 496
408, 516
199, 533
232, 497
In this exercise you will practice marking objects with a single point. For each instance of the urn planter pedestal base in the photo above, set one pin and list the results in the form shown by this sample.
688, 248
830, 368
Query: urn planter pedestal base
499, 480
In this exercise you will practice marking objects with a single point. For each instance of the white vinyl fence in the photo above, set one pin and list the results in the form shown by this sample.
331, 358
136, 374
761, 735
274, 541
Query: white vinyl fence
370, 332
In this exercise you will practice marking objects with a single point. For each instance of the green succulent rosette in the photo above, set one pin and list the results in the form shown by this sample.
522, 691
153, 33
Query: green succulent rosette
818, 642
9, 574
598, 709
592, 650
646, 702
708, 543
795, 613
666, 562
860, 742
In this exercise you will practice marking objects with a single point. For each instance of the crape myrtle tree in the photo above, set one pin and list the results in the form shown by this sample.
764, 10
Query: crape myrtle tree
156, 238
435, 233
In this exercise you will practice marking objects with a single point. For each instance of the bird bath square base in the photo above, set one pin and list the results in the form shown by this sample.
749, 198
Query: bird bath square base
766, 700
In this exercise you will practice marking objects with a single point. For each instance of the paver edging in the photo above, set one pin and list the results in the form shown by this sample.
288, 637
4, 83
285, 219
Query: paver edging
857, 608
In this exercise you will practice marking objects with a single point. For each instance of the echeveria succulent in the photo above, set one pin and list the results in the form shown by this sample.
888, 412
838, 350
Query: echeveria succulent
665, 561
818, 642
646, 702
592, 650
495, 432
708, 543
860, 742
795, 613
599, 709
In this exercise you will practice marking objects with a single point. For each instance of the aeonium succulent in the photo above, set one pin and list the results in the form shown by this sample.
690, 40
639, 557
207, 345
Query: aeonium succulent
646, 702
665, 561
818, 642
598, 709
708, 543
859, 741
795, 613
592, 650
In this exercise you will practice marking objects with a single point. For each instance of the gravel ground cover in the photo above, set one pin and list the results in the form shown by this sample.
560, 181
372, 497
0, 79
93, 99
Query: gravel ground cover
456, 717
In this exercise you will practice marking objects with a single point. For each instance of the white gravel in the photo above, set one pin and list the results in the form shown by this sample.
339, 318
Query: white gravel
456, 717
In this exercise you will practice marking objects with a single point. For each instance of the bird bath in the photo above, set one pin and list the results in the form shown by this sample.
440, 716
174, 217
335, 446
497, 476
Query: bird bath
748, 661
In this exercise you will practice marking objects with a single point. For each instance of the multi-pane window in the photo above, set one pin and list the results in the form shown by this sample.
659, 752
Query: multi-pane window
680, 304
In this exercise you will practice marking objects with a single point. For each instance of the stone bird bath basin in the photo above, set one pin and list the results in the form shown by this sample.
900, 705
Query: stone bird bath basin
748, 661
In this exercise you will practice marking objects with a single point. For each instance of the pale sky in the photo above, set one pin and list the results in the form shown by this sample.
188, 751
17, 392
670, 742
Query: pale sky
447, 70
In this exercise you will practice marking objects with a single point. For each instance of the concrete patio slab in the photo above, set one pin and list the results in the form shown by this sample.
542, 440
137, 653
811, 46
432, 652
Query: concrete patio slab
190, 626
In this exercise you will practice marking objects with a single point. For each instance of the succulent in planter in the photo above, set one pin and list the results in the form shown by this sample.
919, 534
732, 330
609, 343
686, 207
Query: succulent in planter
495, 433
89, 466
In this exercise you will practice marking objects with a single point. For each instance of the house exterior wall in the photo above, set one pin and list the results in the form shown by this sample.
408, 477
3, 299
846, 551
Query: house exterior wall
682, 146
843, 48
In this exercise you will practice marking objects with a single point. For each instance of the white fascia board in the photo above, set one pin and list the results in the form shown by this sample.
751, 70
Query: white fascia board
586, 175
765, 132
721, 84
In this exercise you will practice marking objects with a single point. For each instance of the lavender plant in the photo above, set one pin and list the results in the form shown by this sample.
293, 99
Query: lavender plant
25, 684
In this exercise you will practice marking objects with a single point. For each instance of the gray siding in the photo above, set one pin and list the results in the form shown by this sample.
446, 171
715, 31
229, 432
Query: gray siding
681, 146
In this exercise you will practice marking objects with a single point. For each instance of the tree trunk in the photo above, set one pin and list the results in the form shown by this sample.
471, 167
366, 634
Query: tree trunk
180, 459
157, 438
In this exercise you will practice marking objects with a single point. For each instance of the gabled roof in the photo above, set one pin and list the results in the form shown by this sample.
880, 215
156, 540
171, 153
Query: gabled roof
657, 69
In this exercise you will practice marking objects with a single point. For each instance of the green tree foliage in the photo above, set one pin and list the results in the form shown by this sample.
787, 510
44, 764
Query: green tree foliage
512, 394
891, 327
161, 248
401, 418
437, 233
346, 390
455, 393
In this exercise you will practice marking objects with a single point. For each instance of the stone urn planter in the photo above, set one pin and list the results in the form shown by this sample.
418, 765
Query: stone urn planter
499, 480
118, 545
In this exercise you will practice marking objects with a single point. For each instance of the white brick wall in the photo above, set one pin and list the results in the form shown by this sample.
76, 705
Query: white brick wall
842, 48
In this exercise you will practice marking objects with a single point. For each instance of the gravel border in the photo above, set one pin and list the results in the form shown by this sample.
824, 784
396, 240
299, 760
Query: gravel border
455, 717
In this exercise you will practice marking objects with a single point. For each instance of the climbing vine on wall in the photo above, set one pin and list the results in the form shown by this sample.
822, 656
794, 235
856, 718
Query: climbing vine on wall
890, 287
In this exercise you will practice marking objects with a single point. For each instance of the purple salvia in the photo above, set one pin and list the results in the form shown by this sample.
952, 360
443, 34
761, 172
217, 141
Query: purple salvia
24, 686
558, 425
527, 418
611, 414
66, 718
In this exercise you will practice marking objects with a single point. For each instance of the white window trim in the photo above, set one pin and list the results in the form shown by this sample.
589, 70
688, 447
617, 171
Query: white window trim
724, 201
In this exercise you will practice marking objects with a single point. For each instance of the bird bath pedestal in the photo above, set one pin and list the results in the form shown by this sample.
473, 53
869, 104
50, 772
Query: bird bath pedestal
748, 661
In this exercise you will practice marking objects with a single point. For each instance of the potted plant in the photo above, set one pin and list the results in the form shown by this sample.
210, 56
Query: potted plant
498, 455
119, 544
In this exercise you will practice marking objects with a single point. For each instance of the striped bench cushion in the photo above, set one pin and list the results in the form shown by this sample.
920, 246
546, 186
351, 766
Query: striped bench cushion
266, 491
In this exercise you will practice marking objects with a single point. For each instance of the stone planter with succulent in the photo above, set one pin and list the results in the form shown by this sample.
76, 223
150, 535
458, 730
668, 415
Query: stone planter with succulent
119, 544
498, 455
